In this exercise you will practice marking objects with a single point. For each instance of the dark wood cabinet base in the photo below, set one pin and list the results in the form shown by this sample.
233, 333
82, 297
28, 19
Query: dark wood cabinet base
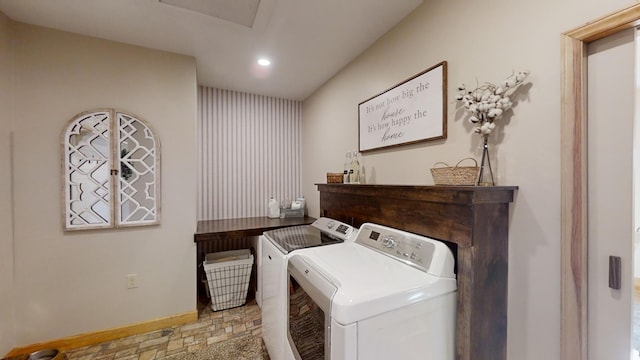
473, 221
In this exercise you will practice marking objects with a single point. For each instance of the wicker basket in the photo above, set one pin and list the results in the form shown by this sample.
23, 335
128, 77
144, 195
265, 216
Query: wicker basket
228, 274
334, 178
455, 175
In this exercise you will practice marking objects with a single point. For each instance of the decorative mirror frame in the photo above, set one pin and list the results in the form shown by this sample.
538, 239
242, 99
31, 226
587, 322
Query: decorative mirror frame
574, 248
110, 171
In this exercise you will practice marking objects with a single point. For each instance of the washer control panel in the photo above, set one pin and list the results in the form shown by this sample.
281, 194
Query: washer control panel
415, 250
334, 227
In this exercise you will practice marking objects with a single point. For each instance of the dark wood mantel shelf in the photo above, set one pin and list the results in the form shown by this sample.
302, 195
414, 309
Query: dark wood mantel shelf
473, 220
243, 227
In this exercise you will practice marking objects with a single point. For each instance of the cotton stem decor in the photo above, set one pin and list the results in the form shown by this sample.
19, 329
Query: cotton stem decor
485, 104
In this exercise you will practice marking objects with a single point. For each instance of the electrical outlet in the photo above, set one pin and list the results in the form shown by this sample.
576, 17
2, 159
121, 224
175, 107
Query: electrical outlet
132, 281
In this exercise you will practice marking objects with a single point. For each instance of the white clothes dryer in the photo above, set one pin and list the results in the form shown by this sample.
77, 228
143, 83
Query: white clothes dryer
389, 294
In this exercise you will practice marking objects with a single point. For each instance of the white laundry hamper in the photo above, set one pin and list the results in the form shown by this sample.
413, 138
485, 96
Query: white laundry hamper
228, 274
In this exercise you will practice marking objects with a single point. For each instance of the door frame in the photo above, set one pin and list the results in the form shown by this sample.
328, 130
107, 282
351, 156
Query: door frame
574, 209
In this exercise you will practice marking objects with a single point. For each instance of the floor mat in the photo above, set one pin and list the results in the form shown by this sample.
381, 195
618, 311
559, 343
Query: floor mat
243, 348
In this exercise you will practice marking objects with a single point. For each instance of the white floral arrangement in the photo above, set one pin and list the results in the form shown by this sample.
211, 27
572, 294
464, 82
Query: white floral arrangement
488, 102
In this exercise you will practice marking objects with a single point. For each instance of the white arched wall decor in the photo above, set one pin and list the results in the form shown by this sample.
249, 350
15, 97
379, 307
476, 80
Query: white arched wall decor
574, 176
111, 171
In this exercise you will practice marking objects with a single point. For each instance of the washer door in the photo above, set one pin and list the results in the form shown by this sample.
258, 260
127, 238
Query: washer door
309, 308
293, 238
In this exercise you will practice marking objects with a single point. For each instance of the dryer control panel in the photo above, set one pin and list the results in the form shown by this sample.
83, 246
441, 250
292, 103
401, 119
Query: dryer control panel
420, 252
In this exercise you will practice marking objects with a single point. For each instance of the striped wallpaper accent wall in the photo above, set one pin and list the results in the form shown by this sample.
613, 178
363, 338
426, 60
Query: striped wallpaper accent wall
249, 149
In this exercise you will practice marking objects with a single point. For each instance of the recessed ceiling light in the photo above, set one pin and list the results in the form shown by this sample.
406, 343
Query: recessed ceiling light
264, 62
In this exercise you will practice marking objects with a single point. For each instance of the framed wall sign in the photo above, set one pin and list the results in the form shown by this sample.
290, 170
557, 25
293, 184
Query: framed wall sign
413, 111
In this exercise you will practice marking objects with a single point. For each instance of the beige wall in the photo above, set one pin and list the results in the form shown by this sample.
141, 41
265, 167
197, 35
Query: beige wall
7, 334
72, 283
481, 42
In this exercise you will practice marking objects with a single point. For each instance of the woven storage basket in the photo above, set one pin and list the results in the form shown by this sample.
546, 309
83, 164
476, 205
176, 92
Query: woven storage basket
455, 175
334, 178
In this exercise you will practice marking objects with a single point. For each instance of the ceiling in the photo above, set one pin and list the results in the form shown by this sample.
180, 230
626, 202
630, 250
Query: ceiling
307, 41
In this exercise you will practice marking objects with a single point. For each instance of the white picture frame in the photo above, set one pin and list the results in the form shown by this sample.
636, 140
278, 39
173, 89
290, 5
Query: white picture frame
412, 111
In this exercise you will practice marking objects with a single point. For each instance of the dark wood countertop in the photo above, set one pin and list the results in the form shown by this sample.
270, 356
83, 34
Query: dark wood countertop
244, 227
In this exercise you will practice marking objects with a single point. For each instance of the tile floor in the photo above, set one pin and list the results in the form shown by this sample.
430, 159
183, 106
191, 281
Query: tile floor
211, 327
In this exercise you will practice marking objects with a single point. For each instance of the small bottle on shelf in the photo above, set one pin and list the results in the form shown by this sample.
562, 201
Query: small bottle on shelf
273, 208
354, 172
347, 167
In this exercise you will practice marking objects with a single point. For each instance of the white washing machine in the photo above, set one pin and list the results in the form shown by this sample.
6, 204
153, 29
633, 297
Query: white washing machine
274, 249
387, 295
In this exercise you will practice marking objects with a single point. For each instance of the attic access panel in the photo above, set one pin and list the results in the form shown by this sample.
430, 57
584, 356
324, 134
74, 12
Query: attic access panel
242, 12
